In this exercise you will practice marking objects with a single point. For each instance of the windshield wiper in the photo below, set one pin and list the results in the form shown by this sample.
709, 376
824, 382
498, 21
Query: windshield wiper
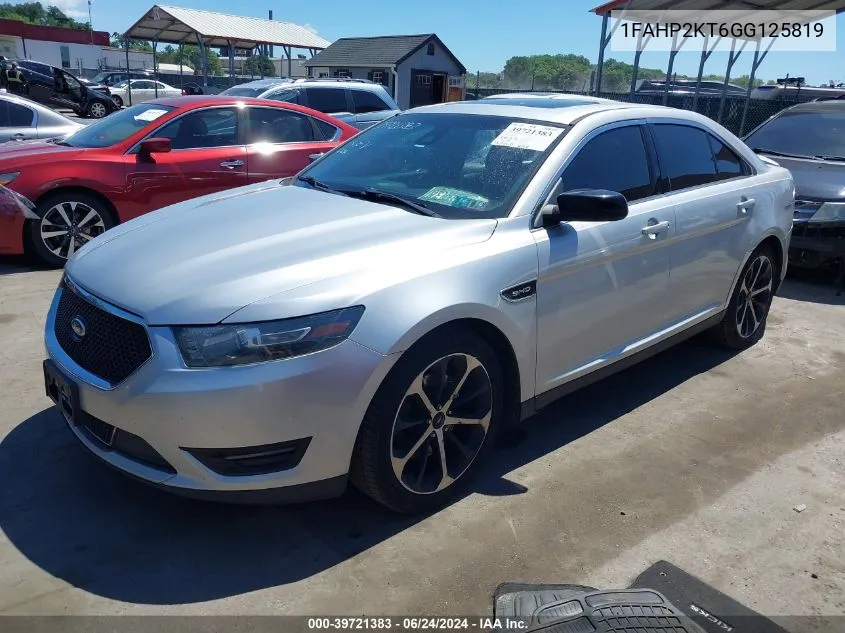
59, 141
375, 195
310, 180
829, 157
773, 152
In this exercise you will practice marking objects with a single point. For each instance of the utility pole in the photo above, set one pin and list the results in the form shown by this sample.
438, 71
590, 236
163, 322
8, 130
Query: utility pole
90, 23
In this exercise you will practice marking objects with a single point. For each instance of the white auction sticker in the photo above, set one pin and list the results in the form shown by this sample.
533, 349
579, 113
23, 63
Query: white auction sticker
149, 115
528, 136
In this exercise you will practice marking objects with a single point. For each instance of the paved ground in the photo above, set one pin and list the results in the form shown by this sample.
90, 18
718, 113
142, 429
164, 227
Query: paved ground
696, 457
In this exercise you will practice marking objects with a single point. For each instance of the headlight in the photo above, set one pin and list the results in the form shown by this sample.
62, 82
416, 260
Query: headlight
830, 212
8, 177
245, 343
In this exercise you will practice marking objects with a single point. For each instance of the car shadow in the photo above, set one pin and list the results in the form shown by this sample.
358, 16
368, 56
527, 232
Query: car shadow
79, 521
813, 286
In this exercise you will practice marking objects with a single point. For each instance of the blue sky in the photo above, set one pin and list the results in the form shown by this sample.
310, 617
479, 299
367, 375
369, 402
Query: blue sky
483, 34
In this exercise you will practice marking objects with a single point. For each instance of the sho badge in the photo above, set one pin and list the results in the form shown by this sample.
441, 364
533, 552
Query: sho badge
520, 292
709, 616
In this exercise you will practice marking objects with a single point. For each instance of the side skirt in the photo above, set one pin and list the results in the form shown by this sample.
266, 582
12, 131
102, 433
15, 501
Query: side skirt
532, 406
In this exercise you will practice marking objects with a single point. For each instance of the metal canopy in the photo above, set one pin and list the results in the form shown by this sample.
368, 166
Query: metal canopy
675, 11
176, 25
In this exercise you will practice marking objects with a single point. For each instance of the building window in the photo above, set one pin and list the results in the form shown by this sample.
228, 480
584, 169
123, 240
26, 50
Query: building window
323, 75
341, 72
430, 49
65, 52
378, 76
424, 80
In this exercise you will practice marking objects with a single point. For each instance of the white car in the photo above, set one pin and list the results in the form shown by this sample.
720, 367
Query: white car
141, 90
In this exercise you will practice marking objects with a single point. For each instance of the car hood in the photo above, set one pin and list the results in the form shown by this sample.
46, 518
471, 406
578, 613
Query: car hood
815, 179
199, 261
34, 151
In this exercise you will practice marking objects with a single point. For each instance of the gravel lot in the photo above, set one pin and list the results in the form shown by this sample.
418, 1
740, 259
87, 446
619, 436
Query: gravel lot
697, 457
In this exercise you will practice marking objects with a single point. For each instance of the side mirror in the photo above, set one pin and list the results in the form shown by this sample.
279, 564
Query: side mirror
155, 146
585, 205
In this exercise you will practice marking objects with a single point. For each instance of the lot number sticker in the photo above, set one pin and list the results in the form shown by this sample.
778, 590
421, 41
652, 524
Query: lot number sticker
527, 136
149, 115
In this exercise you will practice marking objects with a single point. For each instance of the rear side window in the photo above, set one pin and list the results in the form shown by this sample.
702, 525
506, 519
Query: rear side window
728, 164
614, 160
366, 101
286, 96
4, 114
20, 116
685, 155
328, 100
275, 125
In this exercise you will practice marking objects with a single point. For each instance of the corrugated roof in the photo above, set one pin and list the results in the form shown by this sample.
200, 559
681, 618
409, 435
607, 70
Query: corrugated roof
369, 51
176, 25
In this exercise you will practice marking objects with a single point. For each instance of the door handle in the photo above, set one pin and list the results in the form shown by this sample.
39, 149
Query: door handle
655, 228
314, 157
231, 164
745, 205
20, 136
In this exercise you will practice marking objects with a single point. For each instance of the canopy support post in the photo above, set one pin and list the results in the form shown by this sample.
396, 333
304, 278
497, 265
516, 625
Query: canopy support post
731, 61
288, 54
203, 61
758, 59
181, 59
155, 66
641, 44
672, 54
128, 80
231, 63
705, 55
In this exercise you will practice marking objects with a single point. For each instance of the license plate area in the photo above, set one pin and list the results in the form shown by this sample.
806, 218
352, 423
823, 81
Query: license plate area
65, 394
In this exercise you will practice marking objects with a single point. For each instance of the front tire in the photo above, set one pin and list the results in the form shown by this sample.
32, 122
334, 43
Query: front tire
117, 101
431, 423
68, 221
744, 322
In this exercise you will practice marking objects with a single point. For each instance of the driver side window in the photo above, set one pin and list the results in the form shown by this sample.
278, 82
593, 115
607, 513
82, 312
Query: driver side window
214, 127
614, 160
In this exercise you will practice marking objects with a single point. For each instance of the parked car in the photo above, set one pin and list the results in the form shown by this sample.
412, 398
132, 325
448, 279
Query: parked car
149, 156
58, 88
22, 119
809, 140
430, 281
795, 92
112, 77
135, 91
358, 102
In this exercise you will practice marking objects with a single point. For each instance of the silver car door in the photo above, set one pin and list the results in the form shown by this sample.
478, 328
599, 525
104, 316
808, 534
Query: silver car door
714, 199
602, 287
18, 122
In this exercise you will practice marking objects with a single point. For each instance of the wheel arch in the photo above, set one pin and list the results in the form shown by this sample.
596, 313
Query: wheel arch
777, 243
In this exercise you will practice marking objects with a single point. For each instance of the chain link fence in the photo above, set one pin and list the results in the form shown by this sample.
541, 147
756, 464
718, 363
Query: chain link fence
759, 110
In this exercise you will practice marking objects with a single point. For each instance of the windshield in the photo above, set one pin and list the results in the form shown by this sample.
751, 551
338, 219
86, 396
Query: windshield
244, 91
803, 133
456, 165
116, 127
98, 79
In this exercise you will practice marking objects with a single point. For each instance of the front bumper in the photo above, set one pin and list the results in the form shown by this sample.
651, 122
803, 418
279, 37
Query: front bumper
169, 408
816, 244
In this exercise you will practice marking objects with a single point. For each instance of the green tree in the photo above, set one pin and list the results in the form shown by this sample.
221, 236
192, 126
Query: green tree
117, 41
35, 13
255, 63
190, 56
561, 72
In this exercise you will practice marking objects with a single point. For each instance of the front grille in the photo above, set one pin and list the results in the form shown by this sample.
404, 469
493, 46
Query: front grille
112, 348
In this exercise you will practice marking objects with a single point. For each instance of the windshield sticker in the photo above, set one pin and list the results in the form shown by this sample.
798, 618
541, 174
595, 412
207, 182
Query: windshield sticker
149, 115
528, 136
454, 198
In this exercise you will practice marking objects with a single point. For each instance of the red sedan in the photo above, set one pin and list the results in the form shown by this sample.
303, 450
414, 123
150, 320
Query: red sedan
147, 157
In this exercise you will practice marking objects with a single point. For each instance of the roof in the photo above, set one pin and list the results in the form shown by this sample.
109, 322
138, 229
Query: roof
386, 50
177, 25
16, 28
554, 111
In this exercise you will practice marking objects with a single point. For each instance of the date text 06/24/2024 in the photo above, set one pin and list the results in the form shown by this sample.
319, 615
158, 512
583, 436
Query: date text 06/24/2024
423, 623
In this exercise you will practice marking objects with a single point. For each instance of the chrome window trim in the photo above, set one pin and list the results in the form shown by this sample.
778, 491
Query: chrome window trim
64, 358
136, 146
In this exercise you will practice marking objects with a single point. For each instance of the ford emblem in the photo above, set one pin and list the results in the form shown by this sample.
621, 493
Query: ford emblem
77, 324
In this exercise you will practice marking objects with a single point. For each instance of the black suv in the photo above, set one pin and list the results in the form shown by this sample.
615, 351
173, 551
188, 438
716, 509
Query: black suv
58, 88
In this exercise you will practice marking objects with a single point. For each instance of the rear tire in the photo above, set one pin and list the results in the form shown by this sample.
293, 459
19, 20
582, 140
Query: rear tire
744, 322
68, 221
117, 101
415, 458
97, 110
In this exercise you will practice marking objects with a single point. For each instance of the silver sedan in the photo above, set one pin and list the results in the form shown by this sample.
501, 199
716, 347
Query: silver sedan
437, 277
22, 119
